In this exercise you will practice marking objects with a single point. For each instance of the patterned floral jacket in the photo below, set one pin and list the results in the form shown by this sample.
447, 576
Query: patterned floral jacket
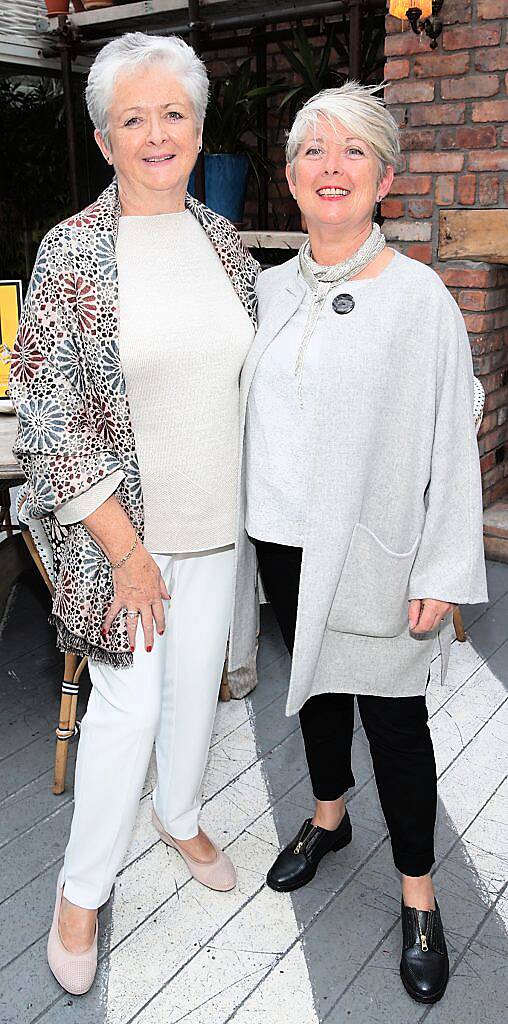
69, 392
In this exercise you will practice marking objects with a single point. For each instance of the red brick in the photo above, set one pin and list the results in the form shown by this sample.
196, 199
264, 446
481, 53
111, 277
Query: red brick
420, 208
466, 189
422, 138
487, 160
466, 277
467, 36
411, 185
444, 113
446, 162
392, 208
410, 92
393, 25
493, 476
488, 190
493, 494
395, 69
492, 9
402, 44
436, 65
458, 12
491, 60
488, 423
445, 189
464, 137
501, 318
491, 110
496, 399
400, 115
488, 461
471, 85
504, 136
473, 300
497, 297
421, 251
478, 322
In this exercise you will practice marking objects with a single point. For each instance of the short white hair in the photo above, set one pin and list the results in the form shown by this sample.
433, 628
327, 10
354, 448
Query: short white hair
355, 107
129, 52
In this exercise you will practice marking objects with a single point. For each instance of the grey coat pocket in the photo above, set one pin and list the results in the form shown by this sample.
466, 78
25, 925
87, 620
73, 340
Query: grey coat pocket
372, 592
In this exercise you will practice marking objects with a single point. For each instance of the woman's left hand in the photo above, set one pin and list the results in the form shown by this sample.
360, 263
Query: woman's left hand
425, 615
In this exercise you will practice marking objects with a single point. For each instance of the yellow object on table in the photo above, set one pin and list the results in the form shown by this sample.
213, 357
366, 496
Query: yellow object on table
10, 312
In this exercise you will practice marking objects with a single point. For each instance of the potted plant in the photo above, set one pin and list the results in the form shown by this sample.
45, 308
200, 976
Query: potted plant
229, 138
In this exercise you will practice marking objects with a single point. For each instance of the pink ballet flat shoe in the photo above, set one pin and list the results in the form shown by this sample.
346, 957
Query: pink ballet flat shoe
217, 874
75, 972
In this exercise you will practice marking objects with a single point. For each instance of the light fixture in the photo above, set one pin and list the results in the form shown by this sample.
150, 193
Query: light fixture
422, 16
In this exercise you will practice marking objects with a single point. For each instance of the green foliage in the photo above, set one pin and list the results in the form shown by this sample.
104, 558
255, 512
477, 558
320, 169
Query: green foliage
231, 124
318, 68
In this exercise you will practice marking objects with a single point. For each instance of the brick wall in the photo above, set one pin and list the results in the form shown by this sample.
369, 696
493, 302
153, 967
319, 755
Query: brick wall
452, 106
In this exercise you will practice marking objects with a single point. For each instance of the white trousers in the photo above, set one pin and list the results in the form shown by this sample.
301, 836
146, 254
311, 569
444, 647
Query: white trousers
168, 695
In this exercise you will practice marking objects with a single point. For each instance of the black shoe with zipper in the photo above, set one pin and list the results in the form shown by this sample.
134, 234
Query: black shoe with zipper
424, 964
298, 862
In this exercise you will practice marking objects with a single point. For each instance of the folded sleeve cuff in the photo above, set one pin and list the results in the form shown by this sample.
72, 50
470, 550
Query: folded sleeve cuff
77, 509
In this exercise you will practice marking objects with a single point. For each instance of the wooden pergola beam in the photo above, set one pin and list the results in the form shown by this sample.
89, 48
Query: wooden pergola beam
474, 235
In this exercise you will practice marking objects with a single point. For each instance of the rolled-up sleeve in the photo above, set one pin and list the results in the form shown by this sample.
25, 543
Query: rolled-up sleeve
77, 509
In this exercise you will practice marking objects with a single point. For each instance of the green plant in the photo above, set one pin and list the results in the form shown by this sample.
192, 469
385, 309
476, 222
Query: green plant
313, 65
232, 116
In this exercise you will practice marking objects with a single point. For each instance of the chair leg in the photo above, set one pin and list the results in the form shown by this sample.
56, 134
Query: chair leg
224, 692
459, 626
67, 720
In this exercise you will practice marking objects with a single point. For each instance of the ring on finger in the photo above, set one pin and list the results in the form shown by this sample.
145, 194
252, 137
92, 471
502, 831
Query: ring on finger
132, 615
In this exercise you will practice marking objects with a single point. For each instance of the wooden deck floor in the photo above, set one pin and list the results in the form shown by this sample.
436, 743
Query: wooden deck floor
172, 951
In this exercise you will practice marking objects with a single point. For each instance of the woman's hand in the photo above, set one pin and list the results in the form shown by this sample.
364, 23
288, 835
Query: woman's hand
139, 587
425, 615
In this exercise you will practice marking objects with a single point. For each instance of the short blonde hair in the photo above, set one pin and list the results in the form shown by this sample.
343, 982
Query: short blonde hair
356, 108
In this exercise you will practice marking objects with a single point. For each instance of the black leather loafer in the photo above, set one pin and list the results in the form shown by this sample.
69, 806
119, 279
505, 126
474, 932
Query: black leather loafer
424, 964
298, 862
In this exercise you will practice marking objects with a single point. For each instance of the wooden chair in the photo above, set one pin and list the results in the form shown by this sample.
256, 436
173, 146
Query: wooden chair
73, 667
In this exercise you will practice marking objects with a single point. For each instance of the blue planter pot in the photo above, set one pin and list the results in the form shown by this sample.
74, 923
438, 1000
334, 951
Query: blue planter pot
226, 183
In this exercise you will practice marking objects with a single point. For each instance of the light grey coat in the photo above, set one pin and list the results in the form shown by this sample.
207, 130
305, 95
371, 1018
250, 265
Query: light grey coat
394, 504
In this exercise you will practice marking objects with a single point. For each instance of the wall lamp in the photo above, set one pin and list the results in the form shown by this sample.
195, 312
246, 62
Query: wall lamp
422, 16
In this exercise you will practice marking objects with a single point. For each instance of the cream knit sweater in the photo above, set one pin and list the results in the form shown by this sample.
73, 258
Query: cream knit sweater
184, 335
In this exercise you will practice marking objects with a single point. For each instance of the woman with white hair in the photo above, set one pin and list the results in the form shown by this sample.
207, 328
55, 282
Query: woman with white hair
362, 499
125, 378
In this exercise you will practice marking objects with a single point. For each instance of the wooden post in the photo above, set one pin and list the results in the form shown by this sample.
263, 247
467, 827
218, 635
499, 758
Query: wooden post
195, 42
260, 47
355, 40
64, 45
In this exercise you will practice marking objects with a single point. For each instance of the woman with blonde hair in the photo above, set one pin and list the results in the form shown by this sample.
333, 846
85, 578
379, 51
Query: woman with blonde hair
140, 312
361, 499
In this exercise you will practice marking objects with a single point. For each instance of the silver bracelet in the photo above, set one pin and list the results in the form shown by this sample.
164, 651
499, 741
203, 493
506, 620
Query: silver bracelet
116, 565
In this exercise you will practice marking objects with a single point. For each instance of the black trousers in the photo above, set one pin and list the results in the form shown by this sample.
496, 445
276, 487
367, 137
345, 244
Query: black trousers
396, 728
